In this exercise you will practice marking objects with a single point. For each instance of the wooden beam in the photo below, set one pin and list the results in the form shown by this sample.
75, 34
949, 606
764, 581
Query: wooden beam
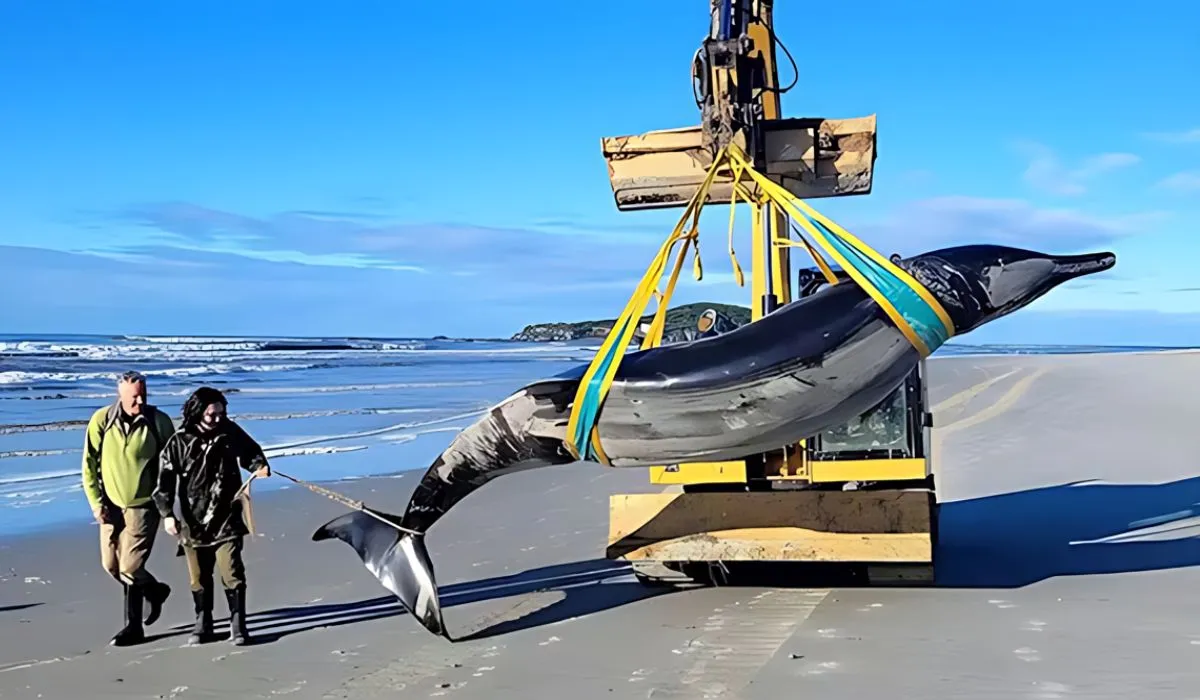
893, 526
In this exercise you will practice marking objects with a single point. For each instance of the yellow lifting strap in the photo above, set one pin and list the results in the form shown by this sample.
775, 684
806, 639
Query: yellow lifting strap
582, 439
918, 315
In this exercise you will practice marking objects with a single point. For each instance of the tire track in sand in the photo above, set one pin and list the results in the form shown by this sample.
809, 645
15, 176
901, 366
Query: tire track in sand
1001, 406
737, 641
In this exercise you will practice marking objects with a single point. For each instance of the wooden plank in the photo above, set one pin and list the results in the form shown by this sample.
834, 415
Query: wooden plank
853, 526
663, 168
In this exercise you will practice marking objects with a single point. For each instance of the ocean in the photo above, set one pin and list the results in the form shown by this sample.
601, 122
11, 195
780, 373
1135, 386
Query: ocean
325, 409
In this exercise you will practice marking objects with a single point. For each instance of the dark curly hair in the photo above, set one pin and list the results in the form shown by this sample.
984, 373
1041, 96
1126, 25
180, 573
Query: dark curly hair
193, 408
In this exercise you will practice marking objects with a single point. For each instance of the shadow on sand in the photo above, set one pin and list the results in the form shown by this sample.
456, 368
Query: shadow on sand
17, 606
1076, 529
588, 587
1004, 541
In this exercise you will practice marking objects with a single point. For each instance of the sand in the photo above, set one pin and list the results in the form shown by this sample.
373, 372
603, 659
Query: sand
1032, 601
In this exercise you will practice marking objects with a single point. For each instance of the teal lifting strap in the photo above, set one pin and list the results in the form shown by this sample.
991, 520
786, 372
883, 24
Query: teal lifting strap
921, 317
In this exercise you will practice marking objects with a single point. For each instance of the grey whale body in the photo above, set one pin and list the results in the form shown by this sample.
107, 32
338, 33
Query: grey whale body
756, 388
811, 365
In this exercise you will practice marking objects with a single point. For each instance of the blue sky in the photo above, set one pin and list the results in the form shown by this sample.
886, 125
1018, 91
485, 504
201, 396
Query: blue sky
383, 168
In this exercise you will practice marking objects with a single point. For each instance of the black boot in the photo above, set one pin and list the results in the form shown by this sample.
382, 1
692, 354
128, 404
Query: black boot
203, 629
153, 599
132, 632
237, 615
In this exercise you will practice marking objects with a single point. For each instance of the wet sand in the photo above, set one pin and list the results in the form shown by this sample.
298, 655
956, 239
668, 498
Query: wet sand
1066, 569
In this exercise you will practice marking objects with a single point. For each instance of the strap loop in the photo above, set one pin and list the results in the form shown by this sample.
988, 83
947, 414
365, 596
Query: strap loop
916, 313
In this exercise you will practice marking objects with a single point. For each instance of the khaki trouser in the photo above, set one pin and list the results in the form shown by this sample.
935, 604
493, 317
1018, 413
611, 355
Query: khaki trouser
226, 558
126, 541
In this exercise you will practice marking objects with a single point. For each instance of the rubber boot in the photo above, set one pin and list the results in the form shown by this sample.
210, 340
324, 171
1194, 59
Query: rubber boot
131, 633
153, 598
237, 615
203, 629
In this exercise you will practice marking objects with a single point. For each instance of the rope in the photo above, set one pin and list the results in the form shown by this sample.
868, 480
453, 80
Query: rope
346, 501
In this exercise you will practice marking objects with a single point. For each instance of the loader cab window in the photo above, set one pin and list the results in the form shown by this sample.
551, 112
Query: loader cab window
890, 430
881, 431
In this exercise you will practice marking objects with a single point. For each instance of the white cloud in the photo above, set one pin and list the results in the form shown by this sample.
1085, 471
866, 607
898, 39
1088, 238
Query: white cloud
956, 220
323, 258
1187, 136
1182, 182
1048, 173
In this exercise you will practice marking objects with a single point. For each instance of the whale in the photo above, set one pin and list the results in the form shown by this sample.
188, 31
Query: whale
808, 366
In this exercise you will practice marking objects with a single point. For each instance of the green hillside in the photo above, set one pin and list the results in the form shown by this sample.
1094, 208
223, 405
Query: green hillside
681, 322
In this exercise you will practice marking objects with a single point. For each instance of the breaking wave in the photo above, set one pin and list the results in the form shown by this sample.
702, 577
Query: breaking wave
199, 349
179, 348
387, 402
78, 424
26, 377
73, 364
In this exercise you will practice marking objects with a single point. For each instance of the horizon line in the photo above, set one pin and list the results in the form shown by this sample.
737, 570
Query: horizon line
134, 336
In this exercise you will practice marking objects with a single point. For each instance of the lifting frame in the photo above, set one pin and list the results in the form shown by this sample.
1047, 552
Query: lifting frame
860, 494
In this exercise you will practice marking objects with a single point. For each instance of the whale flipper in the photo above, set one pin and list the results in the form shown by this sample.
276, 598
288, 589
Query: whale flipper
399, 560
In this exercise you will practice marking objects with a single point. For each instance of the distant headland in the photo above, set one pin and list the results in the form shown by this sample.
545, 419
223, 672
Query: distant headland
681, 325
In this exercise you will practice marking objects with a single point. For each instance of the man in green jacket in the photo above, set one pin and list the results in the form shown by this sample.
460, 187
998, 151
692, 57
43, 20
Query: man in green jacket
120, 470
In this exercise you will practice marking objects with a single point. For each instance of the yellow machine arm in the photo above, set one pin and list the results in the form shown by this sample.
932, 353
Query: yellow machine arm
787, 503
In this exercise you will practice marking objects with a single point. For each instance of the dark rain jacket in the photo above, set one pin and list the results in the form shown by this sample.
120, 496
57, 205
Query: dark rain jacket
203, 471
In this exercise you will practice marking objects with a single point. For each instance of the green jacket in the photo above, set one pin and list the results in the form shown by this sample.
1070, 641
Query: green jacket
124, 467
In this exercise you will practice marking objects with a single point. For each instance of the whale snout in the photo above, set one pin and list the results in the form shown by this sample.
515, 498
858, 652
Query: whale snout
1020, 278
978, 284
1069, 267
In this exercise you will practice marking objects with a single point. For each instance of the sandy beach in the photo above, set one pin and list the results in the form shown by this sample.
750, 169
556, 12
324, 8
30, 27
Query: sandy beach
1066, 570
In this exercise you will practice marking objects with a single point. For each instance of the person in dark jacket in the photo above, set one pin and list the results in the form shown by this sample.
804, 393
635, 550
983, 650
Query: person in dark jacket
201, 466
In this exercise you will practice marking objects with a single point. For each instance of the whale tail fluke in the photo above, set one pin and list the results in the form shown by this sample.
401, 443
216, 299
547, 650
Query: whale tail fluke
399, 560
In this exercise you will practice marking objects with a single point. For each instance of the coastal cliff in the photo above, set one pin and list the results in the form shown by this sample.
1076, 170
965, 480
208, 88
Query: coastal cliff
681, 325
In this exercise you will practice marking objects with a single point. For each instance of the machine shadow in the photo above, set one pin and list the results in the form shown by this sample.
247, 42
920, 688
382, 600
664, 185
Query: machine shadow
1017, 539
591, 597
589, 586
17, 606
1004, 541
